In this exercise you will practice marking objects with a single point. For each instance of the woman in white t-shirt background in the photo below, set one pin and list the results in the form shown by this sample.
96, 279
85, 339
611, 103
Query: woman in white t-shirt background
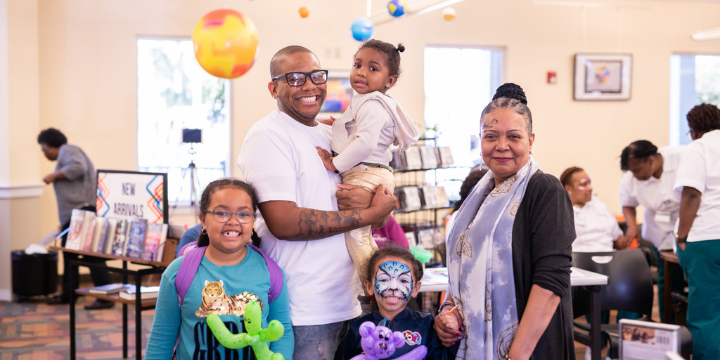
649, 181
698, 230
595, 226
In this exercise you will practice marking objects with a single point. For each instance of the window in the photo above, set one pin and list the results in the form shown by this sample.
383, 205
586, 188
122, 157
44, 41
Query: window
459, 82
694, 79
175, 93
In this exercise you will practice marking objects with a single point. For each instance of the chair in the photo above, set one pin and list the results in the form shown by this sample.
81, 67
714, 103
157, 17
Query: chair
629, 288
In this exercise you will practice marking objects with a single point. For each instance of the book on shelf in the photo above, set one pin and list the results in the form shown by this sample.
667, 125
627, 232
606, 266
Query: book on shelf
409, 198
398, 160
429, 197
410, 236
136, 238
427, 155
429, 238
108, 289
446, 158
98, 234
89, 224
109, 236
118, 244
154, 242
442, 197
413, 161
77, 232
146, 292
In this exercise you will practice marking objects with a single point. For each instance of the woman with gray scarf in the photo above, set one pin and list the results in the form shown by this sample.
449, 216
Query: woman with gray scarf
509, 253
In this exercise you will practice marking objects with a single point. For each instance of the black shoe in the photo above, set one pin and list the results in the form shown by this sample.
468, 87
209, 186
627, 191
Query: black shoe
58, 300
99, 305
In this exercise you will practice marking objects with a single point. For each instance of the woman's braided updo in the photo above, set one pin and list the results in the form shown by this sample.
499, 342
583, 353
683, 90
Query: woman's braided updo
510, 96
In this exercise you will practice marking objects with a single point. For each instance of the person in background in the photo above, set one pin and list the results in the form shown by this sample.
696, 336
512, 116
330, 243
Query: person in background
509, 253
698, 229
393, 234
595, 226
75, 183
468, 184
648, 181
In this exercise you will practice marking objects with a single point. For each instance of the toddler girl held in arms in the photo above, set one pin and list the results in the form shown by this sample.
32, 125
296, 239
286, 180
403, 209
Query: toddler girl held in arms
361, 138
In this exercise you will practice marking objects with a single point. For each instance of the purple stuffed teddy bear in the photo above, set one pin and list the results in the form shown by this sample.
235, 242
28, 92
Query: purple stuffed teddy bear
379, 342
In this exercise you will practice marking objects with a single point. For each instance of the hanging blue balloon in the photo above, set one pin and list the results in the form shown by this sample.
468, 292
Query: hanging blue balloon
397, 8
362, 29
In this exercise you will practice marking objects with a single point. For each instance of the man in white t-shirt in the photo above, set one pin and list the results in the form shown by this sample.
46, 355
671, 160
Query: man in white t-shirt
301, 227
648, 181
698, 231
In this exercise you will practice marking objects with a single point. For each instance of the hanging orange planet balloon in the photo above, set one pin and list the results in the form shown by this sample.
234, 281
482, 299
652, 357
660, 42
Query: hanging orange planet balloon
304, 12
449, 14
225, 43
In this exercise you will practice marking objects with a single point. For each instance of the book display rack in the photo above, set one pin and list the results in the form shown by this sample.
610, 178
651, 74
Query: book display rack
422, 202
150, 267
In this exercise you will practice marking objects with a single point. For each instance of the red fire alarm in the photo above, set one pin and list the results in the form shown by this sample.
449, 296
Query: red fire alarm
551, 77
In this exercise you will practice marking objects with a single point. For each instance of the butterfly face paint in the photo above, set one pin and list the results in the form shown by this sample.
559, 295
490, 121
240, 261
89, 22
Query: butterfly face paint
394, 279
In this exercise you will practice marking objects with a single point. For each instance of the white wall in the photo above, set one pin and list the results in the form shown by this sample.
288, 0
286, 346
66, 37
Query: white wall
87, 69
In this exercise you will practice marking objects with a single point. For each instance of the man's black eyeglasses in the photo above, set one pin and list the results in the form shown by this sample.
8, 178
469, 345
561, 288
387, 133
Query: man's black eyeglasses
296, 78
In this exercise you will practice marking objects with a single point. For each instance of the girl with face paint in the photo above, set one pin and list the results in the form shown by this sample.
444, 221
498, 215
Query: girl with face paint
393, 278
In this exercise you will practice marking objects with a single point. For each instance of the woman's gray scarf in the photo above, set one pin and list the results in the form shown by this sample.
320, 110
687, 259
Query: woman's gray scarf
480, 265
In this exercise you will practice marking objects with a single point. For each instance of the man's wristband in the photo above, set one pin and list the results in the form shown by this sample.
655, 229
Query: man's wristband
680, 240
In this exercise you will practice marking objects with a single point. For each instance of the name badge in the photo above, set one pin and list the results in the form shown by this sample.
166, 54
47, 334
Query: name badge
662, 217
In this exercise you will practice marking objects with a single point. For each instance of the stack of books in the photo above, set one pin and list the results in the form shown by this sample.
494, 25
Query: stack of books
129, 238
146, 292
422, 157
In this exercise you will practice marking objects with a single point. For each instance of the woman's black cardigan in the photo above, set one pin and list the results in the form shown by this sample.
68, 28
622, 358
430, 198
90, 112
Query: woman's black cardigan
542, 237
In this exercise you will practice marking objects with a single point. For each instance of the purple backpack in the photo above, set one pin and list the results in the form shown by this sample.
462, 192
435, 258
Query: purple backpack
191, 262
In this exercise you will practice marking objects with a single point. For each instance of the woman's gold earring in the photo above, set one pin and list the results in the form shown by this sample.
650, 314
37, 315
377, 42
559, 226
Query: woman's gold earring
204, 231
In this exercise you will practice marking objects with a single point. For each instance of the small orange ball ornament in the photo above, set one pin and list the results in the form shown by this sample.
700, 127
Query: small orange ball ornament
449, 14
304, 12
225, 43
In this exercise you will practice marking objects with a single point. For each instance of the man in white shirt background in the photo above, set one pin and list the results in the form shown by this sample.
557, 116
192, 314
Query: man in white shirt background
301, 227
698, 230
648, 181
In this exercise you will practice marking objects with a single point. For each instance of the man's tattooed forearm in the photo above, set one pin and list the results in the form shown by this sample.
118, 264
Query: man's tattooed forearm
315, 224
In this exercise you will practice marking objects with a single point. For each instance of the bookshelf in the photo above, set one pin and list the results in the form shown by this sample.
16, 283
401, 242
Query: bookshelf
417, 168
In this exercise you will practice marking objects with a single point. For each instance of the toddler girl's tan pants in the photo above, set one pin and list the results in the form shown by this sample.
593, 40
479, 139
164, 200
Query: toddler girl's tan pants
359, 242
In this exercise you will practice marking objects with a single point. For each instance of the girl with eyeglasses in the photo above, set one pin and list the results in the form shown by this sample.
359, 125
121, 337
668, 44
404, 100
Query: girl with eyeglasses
362, 137
231, 274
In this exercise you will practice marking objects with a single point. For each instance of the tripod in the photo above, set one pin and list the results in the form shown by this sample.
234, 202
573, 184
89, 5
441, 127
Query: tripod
194, 179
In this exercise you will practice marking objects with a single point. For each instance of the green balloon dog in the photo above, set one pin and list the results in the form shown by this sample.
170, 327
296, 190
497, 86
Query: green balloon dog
256, 336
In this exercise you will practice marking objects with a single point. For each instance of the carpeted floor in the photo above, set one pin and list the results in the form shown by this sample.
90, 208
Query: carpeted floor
36, 331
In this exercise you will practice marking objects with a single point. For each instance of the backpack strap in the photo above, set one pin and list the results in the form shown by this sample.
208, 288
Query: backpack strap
191, 262
276, 276
188, 268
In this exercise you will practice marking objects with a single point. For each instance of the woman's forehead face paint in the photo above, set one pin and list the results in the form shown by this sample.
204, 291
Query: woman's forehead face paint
582, 185
394, 279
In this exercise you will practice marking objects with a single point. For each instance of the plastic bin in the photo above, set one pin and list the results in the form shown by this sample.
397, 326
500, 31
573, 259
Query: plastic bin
34, 275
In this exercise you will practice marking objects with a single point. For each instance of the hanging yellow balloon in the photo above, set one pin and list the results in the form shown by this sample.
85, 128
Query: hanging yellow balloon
449, 14
304, 12
225, 43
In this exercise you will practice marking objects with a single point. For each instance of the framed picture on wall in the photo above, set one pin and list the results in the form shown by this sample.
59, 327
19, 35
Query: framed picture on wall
602, 76
339, 94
